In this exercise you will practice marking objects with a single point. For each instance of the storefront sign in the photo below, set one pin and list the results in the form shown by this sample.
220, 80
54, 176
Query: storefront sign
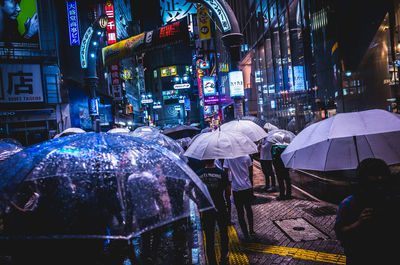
93, 106
187, 103
203, 18
115, 82
216, 6
200, 74
85, 46
122, 49
209, 86
146, 101
168, 71
73, 25
236, 84
111, 29
204, 64
212, 100
21, 83
182, 86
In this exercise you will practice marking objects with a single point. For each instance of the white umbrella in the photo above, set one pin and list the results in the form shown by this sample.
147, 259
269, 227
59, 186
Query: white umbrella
270, 127
280, 137
69, 131
220, 144
119, 130
342, 141
249, 128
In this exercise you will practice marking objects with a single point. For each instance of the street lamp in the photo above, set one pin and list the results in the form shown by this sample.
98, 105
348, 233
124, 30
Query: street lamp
88, 63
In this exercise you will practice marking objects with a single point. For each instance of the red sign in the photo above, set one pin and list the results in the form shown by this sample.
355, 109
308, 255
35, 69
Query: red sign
115, 81
111, 30
169, 30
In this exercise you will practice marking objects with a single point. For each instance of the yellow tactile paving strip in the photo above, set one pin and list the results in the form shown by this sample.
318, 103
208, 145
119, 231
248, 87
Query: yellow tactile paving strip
238, 257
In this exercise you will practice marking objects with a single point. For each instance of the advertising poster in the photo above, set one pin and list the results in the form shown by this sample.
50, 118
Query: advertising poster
209, 86
19, 23
73, 23
203, 18
236, 84
120, 50
20, 83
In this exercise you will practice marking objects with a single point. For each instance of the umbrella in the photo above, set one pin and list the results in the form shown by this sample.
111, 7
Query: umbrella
184, 142
220, 144
253, 131
69, 131
118, 130
270, 127
160, 139
146, 129
207, 129
85, 186
342, 141
8, 149
256, 120
10, 140
181, 131
280, 137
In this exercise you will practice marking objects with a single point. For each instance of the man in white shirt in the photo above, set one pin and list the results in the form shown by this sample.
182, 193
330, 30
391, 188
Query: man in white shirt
242, 190
266, 165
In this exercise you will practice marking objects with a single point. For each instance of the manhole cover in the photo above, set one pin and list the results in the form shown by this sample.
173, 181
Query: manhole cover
300, 230
321, 211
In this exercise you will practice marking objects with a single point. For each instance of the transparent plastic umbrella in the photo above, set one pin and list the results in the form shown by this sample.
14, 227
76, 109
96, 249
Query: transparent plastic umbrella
119, 130
270, 127
162, 140
181, 131
146, 129
184, 142
95, 185
256, 120
280, 137
8, 149
69, 131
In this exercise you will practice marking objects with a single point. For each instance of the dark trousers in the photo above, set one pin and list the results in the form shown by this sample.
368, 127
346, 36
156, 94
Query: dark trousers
285, 184
266, 166
242, 201
208, 219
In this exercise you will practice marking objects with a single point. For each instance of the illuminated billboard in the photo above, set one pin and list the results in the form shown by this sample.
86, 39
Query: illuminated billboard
236, 84
19, 24
209, 86
173, 10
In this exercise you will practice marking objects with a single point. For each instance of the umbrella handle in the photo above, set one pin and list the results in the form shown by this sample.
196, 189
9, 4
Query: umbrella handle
355, 144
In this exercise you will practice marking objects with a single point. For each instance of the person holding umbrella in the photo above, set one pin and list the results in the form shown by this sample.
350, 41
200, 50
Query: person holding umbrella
266, 161
217, 183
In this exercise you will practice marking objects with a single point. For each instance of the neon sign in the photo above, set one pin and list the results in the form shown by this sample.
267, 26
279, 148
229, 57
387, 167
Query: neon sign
215, 5
85, 46
73, 25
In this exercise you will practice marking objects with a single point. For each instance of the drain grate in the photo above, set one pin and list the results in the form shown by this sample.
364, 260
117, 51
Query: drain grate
321, 211
299, 229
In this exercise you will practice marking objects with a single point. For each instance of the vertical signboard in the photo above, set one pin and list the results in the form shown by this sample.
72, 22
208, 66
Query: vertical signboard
73, 25
203, 18
20, 83
173, 10
236, 84
111, 32
111, 39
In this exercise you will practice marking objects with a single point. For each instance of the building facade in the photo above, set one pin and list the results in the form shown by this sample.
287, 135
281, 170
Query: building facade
305, 60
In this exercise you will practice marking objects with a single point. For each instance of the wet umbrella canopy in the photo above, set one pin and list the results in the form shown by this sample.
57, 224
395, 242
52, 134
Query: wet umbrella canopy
8, 149
107, 186
157, 137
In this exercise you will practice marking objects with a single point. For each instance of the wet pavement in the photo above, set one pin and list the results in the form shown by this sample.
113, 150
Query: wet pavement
296, 231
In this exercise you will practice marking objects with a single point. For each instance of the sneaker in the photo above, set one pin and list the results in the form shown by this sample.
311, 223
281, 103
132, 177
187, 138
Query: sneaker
252, 234
271, 189
266, 188
288, 197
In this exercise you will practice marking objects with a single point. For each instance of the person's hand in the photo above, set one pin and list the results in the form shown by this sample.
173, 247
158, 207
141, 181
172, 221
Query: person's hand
366, 215
31, 26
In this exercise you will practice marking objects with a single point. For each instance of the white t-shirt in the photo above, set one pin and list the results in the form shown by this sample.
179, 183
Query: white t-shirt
218, 164
265, 152
239, 168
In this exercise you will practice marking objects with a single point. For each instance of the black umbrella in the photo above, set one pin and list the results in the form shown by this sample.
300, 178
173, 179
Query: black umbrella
256, 120
181, 131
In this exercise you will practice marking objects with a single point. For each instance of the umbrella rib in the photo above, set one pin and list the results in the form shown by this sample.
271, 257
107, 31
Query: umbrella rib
370, 147
327, 153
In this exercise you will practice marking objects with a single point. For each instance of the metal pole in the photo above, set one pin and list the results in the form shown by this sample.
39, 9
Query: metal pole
91, 85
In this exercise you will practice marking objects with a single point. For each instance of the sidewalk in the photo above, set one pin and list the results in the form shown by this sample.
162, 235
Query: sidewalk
297, 231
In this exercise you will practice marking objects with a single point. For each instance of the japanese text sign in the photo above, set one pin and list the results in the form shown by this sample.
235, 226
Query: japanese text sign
73, 25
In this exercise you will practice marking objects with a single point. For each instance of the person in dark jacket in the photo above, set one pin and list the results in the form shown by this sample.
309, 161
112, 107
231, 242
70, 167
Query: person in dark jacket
282, 173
